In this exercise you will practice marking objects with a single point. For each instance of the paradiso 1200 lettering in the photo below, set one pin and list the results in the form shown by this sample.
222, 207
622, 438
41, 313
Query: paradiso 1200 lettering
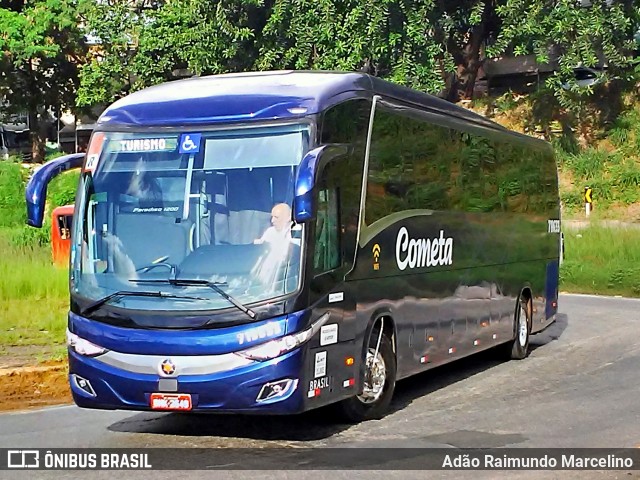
423, 252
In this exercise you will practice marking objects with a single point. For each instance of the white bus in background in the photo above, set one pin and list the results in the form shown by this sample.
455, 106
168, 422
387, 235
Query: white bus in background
15, 141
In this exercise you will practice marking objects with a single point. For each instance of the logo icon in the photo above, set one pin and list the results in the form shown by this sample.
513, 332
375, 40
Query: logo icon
190, 143
23, 459
167, 367
376, 257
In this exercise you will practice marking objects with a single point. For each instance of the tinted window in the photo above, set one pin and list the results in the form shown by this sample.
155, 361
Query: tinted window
416, 164
346, 122
327, 245
412, 165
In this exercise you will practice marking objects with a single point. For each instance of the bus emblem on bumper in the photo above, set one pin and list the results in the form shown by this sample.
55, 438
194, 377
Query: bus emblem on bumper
167, 367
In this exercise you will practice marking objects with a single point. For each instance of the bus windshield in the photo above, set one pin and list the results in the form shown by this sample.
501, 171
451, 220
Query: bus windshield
188, 221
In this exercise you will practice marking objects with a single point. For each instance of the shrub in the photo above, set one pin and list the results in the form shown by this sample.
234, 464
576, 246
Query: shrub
13, 181
12, 202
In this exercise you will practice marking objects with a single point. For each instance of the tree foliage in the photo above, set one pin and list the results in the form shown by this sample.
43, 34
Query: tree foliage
42, 48
570, 34
428, 44
145, 43
391, 39
432, 45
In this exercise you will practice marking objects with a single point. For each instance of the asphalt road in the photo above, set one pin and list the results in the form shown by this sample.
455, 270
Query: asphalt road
577, 388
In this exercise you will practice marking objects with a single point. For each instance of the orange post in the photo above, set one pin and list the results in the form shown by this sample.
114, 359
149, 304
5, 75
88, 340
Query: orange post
61, 234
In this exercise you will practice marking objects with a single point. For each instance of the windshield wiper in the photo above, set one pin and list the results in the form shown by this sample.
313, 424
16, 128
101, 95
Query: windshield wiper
215, 286
129, 293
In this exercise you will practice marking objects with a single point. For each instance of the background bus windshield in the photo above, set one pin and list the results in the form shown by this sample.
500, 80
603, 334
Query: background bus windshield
189, 206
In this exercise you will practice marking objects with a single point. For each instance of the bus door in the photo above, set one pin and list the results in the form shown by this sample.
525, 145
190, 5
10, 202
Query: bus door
333, 361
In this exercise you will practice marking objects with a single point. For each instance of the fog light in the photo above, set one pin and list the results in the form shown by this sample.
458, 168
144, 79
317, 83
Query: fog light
277, 389
83, 384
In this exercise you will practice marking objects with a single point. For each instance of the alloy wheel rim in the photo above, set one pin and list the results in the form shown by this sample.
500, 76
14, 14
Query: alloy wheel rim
522, 327
375, 378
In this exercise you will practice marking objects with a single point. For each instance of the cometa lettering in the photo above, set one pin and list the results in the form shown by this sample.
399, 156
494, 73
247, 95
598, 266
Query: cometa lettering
423, 252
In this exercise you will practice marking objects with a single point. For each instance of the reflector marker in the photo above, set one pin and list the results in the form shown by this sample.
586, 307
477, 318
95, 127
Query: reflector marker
349, 383
430, 338
424, 359
495, 336
484, 323
452, 350
476, 342
314, 393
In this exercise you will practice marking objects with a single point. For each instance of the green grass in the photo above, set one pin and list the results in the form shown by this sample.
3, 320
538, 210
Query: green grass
602, 260
34, 294
610, 166
12, 185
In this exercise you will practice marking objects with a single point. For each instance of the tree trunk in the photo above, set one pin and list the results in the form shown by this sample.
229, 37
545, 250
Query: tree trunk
38, 137
35, 124
468, 57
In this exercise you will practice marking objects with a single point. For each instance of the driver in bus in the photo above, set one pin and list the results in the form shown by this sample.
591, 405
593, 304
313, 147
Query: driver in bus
279, 240
280, 230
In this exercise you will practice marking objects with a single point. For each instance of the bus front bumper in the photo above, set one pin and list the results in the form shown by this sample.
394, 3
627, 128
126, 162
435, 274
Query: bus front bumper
272, 386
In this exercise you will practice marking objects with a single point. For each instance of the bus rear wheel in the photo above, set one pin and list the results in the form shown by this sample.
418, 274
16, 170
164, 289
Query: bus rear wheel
519, 348
378, 386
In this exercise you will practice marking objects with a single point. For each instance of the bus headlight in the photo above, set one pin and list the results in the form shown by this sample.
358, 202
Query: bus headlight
82, 346
280, 346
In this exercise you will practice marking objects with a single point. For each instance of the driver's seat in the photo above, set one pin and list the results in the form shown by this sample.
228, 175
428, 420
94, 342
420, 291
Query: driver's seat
146, 238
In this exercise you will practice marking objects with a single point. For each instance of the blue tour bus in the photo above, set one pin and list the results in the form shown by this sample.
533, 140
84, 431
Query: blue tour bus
415, 233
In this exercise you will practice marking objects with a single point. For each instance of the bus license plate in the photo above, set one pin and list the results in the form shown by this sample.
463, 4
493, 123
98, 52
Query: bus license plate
170, 401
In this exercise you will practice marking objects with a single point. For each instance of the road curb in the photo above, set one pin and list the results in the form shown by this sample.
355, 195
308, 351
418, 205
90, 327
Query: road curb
8, 371
33, 386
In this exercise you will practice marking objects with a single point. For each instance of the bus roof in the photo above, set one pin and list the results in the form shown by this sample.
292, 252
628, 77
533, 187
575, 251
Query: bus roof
262, 96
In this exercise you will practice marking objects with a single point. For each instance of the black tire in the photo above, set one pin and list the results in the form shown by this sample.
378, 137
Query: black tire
519, 348
367, 405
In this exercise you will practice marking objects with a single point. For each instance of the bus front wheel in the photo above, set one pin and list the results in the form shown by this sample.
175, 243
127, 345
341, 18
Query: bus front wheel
379, 382
519, 348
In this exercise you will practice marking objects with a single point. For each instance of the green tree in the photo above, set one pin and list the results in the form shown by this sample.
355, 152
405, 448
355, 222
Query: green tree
42, 48
570, 34
144, 43
433, 45
464, 27
391, 39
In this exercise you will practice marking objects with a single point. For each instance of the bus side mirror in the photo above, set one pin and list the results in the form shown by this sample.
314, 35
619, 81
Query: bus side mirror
36, 192
305, 181
309, 172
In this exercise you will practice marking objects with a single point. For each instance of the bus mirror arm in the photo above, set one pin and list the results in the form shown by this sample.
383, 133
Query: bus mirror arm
36, 192
309, 172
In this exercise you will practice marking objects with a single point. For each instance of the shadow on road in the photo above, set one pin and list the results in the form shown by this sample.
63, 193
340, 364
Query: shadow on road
425, 383
430, 381
318, 424
554, 332
309, 426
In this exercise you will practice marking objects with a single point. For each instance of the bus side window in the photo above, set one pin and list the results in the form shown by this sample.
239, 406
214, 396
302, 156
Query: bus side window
327, 251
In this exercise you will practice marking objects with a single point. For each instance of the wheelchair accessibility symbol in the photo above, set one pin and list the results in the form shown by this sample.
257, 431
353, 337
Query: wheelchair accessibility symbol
190, 142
